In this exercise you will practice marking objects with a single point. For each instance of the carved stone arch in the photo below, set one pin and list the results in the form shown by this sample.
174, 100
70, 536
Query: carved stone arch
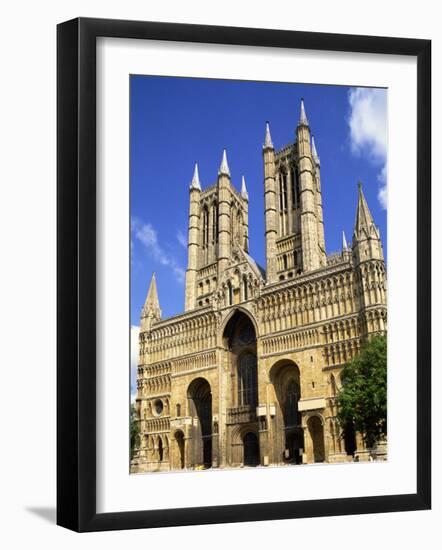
245, 445
318, 415
237, 309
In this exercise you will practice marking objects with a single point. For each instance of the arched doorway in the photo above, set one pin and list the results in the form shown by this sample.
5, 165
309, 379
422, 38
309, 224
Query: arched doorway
179, 456
240, 355
289, 436
316, 432
200, 407
251, 449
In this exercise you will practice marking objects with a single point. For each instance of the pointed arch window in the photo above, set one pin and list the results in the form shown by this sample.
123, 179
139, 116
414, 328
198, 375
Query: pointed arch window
247, 380
282, 191
245, 288
238, 227
232, 223
229, 293
295, 188
205, 227
284, 261
215, 222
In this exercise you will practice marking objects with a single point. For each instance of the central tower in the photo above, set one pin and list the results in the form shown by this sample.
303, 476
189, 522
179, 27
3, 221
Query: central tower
294, 227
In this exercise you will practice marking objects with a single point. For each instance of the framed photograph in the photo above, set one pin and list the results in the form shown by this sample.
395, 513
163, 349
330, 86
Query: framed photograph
231, 205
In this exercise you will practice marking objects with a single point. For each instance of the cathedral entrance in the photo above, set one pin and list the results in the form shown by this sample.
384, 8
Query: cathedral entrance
251, 449
289, 434
239, 339
316, 432
200, 408
179, 457
294, 445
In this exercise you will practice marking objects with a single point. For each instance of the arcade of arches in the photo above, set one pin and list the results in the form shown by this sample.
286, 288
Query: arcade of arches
245, 412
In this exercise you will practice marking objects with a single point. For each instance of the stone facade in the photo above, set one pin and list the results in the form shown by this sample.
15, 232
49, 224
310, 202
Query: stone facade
248, 374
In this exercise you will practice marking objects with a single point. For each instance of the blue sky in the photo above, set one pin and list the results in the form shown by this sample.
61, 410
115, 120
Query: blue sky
177, 121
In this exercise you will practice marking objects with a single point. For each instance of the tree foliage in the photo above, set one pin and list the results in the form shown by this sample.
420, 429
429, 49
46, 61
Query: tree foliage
362, 401
134, 428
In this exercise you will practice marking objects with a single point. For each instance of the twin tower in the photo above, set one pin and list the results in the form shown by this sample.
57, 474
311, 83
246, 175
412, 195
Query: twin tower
294, 227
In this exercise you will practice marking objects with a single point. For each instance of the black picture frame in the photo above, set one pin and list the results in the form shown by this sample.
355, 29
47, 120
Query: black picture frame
76, 274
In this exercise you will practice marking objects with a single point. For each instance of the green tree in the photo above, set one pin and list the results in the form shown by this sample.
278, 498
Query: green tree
134, 428
362, 401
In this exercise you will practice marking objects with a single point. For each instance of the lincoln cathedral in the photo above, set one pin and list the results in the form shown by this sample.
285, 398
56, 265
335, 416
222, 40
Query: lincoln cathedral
248, 374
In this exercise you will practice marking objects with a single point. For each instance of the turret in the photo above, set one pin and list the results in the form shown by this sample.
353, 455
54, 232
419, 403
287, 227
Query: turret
319, 213
367, 243
193, 240
311, 254
224, 238
245, 196
268, 152
151, 311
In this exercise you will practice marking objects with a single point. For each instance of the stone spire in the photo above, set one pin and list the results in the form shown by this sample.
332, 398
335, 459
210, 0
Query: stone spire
303, 117
244, 193
367, 244
151, 309
344, 242
196, 184
224, 168
364, 225
315, 153
268, 144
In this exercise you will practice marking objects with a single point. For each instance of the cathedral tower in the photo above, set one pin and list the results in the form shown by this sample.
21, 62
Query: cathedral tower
293, 206
218, 224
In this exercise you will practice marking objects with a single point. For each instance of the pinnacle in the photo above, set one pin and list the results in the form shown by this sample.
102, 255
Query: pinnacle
303, 117
268, 138
196, 184
244, 193
364, 221
224, 167
152, 303
315, 152
344, 242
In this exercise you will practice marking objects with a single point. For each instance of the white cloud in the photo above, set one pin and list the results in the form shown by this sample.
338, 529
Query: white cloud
368, 130
181, 239
134, 334
382, 191
148, 236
